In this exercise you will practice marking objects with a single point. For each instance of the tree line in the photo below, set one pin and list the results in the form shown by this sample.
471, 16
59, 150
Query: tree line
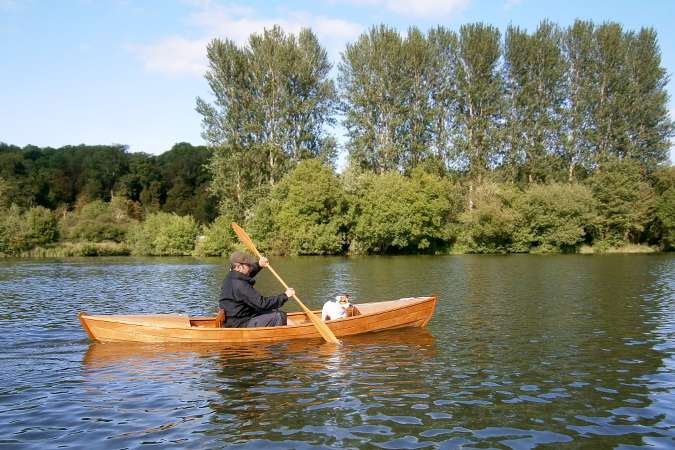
68, 177
457, 141
89, 198
566, 125
551, 105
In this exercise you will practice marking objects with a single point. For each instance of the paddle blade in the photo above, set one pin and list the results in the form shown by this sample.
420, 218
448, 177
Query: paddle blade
243, 237
325, 332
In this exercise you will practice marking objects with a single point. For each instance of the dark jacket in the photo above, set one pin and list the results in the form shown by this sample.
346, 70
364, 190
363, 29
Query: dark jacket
242, 302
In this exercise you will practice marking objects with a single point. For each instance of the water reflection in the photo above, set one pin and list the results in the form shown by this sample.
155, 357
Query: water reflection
287, 387
560, 351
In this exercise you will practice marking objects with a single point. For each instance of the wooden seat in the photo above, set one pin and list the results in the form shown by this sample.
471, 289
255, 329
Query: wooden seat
220, 318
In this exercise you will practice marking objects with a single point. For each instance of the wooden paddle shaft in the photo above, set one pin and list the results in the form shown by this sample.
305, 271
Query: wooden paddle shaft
302, 305
321, 327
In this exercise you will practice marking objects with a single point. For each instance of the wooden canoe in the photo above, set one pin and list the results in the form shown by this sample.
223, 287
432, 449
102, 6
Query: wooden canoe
376, 316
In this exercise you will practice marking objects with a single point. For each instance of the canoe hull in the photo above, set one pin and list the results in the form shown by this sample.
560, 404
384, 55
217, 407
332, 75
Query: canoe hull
410, 312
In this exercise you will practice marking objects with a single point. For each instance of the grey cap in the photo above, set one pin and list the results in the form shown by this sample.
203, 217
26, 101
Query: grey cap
242, 258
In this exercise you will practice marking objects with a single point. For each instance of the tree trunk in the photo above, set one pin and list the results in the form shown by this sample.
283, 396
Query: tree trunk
271, 161
471, 195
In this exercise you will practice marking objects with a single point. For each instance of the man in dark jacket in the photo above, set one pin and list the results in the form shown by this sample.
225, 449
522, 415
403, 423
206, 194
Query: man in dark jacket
243, 305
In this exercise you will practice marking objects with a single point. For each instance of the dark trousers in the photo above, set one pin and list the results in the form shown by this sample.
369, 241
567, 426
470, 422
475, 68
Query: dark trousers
273, 319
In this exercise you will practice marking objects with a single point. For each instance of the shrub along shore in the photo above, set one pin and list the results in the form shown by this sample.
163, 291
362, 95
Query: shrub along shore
313, 211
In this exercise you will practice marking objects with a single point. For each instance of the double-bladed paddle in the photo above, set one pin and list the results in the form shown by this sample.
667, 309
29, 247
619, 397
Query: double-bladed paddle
321, 327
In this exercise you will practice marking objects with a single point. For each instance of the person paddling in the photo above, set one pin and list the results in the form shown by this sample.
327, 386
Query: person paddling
243, 305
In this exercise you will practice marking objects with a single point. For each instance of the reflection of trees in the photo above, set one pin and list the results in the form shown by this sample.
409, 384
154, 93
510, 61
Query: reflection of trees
316, 392
300, 390
554, 343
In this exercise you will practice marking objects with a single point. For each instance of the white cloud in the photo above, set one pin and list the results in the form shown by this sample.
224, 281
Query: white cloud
174, 56
509, 4
419, 8
180, 55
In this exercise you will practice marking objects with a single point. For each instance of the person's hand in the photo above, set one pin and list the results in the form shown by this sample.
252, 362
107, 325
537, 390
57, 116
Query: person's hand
290, 292
264, 262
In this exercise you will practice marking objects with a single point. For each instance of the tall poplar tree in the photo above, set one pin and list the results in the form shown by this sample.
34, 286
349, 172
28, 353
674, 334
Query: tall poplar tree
419, 78
444, 45
478, 124
609, 131
649, 125
578, 49
536, 81
373, 83
397, 98
617, 97
271, 102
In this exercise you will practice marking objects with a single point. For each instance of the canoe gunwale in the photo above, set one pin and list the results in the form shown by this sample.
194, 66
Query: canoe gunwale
104, 318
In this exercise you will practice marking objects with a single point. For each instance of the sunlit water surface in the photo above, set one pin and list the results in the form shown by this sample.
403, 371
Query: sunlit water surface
522, 352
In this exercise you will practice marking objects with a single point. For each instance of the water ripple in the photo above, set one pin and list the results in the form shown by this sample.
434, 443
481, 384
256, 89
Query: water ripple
511, 360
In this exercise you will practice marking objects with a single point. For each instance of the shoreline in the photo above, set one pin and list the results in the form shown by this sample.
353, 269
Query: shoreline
107, 249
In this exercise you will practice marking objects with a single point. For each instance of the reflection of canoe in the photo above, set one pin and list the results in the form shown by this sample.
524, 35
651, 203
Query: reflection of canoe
100, 354
377, 316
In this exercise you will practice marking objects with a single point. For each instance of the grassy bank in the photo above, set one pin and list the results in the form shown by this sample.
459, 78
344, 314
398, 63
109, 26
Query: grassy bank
71, 249
628, 248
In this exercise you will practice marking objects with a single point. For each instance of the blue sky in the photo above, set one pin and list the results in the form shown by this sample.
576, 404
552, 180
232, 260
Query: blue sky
128, 71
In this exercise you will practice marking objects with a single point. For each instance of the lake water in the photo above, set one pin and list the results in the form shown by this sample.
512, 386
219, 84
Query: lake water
562, 351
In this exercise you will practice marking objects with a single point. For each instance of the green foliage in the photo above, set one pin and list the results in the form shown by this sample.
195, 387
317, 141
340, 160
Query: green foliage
185, 180
20, 231
4, 194
69, 249
578, 49
41, 226
665, 214
536, 85
385, 81
617, 97
51, 177
305, 214
398, 214
273, 99
71, 176
554, 217
421, 97
563, 102
481, 102
12, 232
663, 179
490, 226
625, 202
649, 127
99, 221
217, 239
164, 234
